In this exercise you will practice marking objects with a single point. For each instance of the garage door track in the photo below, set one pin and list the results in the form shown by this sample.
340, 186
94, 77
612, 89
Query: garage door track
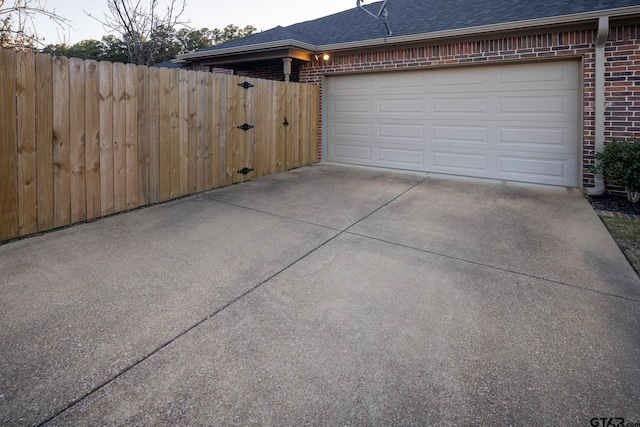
328, 295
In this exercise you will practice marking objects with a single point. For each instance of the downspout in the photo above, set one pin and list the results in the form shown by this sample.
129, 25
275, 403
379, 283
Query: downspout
601, 38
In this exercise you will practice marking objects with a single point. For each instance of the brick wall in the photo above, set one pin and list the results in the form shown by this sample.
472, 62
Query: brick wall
263, 72
622, 79
225, 71
622, 83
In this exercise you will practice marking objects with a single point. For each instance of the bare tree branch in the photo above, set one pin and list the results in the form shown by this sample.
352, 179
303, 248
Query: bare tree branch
141, 26
18, 23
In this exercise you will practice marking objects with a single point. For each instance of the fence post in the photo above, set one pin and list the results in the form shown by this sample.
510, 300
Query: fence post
8, 146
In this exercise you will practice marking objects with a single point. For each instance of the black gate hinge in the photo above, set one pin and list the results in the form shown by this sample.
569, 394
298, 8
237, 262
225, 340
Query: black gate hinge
245, 127
245, 171
245, 85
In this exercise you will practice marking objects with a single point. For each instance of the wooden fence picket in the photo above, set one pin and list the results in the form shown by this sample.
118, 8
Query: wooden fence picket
208, 122
119, 138
282, 132
8, 147
61, 146
142, 136
26, 127
106, 139
183, 132
223, 110
44, 149
200, 131
174, 137
192, 136
92, 139
77, 146
235, 137
153, 134
131, 135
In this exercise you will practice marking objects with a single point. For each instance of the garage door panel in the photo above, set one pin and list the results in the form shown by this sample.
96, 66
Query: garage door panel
405, 81
392, 157
514, 121
461, 162
550, 75
544, 170
539, 107
347, 106
533, 105
460, 106
352, 153
359, 130
460, 81
351, 84
410, 106
457, 134
536, 139
401, 133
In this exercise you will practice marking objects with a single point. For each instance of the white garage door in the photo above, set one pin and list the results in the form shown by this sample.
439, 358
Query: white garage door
517, 122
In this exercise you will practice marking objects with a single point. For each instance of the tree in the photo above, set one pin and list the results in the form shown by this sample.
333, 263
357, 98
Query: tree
190, 40
17, 23
163, 42
166, 42
59, 49
113, 49
142, 29
110, 48
86, 49
231, 32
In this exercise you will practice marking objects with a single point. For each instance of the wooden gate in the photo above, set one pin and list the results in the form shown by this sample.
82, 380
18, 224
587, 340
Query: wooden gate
82, 139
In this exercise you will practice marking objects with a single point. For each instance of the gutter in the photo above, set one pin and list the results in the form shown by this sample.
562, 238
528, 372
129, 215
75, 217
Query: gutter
600, 69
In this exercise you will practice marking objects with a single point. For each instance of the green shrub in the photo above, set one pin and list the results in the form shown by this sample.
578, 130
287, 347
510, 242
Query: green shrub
619, 163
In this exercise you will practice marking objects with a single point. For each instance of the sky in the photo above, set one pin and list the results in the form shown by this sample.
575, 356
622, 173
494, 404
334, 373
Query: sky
262, 14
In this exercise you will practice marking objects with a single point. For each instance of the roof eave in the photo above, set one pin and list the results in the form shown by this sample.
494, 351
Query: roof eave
484, 29
279, 44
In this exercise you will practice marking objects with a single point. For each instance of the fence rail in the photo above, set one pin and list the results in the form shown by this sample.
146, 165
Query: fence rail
84, 139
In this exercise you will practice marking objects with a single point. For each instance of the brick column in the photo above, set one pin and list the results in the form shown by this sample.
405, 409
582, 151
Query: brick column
286, 62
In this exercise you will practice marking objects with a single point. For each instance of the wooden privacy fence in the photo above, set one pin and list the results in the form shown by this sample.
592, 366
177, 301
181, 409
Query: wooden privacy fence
85, 139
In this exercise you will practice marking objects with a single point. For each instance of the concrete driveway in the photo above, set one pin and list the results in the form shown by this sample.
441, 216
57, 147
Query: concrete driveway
328, 295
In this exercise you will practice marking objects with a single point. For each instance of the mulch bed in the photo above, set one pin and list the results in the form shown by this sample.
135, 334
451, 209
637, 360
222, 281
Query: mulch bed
614, 203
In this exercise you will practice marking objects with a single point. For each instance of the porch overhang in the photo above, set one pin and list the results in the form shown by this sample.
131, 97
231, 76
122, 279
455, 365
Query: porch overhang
251, 53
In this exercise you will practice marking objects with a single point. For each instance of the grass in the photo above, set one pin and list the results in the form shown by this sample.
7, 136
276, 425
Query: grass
626, 233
